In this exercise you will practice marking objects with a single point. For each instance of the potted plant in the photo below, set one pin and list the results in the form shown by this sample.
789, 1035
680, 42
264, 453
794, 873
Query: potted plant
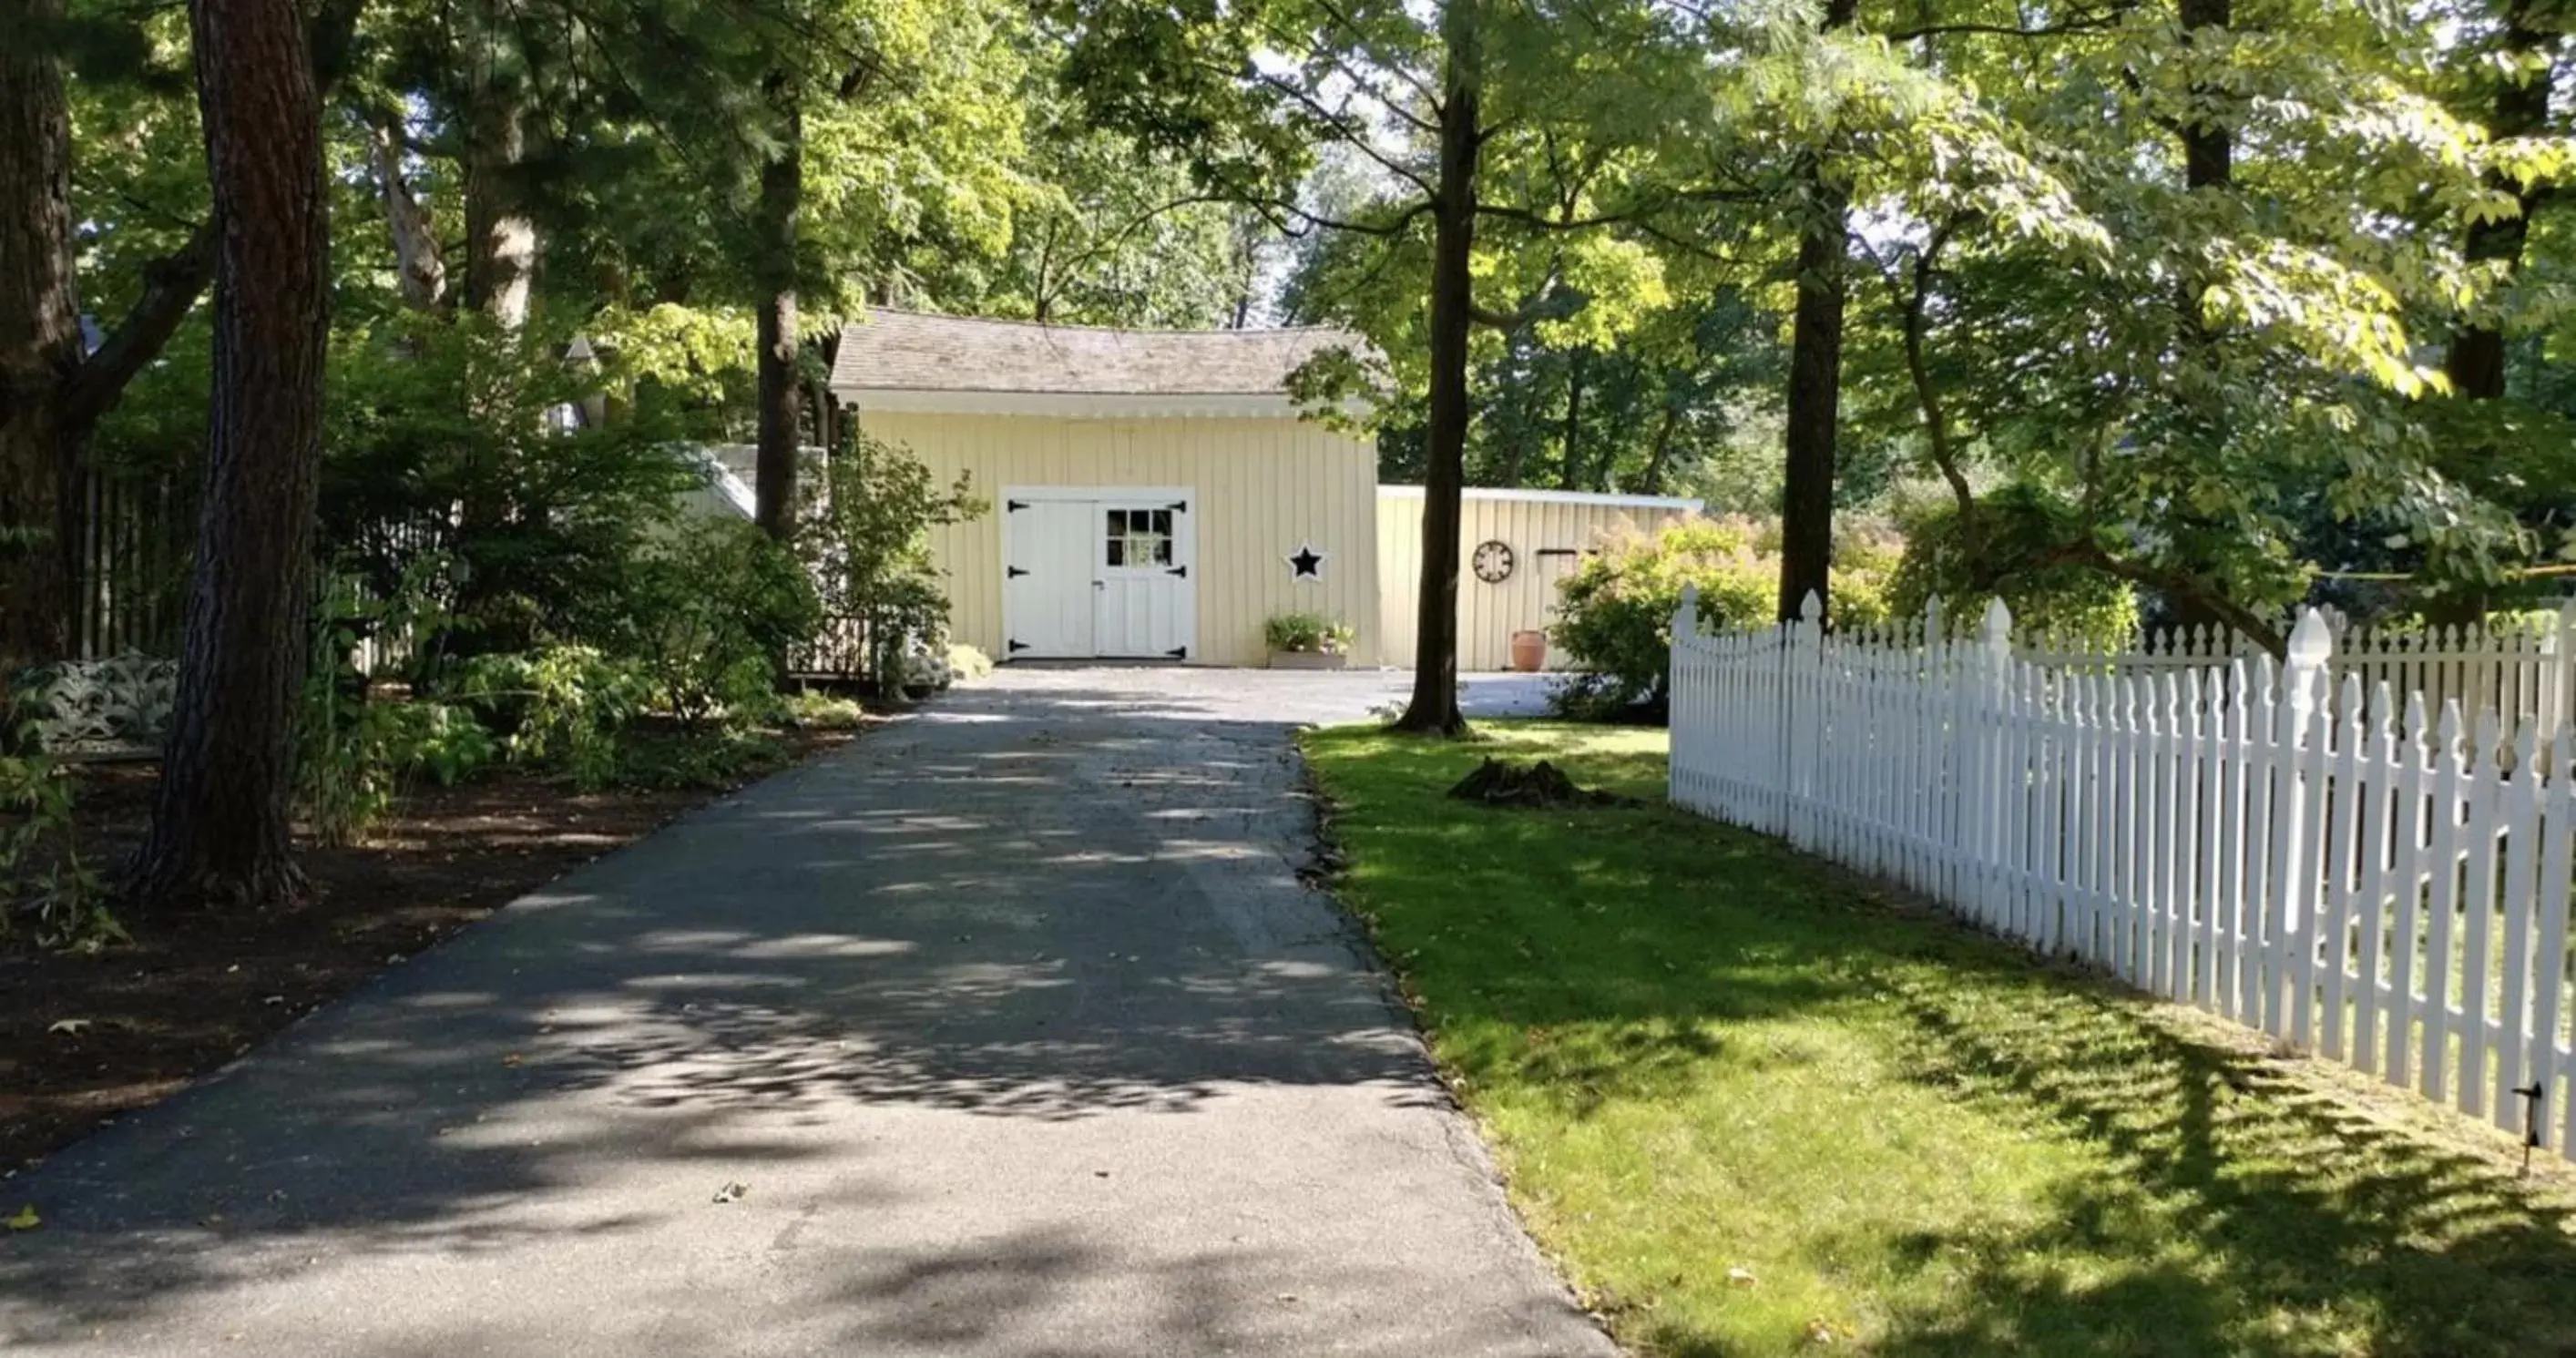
1307, 641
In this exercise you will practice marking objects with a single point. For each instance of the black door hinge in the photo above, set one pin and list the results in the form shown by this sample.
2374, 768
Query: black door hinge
1014, 506
1178, 506
1015, 646
1178, 653
1012, 572
1181, 571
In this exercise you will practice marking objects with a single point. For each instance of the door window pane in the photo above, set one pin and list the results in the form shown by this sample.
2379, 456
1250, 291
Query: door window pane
1138, 538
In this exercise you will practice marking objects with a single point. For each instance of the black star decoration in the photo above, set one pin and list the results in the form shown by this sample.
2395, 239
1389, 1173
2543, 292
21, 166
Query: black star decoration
1306, 563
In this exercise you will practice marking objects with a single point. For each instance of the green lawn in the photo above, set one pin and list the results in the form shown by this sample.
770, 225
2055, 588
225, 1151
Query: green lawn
1753, 1105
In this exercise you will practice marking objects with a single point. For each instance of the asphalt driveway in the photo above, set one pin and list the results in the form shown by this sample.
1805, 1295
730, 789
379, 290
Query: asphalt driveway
1007, 1031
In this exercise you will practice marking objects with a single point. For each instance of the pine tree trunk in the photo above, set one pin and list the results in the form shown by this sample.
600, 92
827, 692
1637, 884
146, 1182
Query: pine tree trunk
220, 833
1815, 377
782, 191
40, 349
500, 239
1434, 706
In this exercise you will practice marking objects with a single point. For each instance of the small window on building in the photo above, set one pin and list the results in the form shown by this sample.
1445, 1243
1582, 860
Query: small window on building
1139, 537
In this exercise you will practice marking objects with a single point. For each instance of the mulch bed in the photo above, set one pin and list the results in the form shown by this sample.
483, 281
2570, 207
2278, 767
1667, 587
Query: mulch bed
193, 991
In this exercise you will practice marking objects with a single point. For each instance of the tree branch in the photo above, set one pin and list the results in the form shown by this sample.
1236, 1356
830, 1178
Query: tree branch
2088, 22
1356, 139
2174, 582
171, 285
1430, 99
1525, 217
1936, 418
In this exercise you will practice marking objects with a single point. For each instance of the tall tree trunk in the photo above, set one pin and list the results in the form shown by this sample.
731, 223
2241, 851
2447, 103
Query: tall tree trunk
2208, 167
782, 190
1434, 705
2475, 361
1657, 462
220, 818
418, 267
1571, 475
500, 238
40, 348
2208, 145
1815, 375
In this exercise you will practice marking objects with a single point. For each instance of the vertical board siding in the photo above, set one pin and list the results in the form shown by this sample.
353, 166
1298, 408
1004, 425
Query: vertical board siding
1261, 487
2370, 872
1548, 538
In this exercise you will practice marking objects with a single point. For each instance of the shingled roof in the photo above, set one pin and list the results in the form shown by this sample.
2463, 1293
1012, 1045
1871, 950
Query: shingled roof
911, 351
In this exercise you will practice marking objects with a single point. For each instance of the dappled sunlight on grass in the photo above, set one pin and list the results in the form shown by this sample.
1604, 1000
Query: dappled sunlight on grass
1752, 1103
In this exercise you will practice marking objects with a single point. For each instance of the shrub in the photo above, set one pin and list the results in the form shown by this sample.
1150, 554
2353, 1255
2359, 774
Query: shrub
866, 539
1614, 613
656, 760
440, 740
42, 874
713, 606
1307, 632
564, 706
823, 712
968, 664
439, 442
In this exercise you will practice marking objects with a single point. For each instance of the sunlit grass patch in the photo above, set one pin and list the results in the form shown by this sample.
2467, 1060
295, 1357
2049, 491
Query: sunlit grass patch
1755, 1105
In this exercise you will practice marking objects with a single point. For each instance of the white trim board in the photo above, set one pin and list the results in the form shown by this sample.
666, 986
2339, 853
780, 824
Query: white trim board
1189, 493
1554, 497
1074, 404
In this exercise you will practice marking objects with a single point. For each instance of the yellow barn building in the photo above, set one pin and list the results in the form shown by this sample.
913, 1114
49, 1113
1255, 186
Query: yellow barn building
1155, 495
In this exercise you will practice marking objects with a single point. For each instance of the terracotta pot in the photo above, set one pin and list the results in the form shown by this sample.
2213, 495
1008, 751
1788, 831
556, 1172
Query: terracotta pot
1529, 651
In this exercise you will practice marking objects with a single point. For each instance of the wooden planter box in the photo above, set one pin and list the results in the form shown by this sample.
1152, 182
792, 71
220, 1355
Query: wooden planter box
1309, 660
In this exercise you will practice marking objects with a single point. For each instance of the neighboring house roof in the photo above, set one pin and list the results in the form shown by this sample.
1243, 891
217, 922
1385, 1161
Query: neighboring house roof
1555, 497
910, 360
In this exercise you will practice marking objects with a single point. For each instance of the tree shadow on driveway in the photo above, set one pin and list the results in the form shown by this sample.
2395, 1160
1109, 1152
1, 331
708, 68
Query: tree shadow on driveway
1069, 908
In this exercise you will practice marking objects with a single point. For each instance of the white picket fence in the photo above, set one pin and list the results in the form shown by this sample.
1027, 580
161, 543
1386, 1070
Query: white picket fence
2266, 842
2523, 666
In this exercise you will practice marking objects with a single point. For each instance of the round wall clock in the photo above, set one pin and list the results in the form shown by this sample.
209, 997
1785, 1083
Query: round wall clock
1493, 562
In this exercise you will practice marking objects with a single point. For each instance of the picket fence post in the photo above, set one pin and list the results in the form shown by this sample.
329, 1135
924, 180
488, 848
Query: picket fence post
2557, 706
1683, 677
1993, 661
2289, 953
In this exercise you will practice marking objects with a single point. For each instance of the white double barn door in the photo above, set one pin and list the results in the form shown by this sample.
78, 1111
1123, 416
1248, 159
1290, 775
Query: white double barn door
1099, 571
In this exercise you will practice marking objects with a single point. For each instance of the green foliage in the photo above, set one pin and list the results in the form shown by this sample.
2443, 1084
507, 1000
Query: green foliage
691, 758
1614, 613
2009, 561
440, 741
440, 450
866, 539
44, 880
563, 706
711, 606
823, 712
1307, 632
